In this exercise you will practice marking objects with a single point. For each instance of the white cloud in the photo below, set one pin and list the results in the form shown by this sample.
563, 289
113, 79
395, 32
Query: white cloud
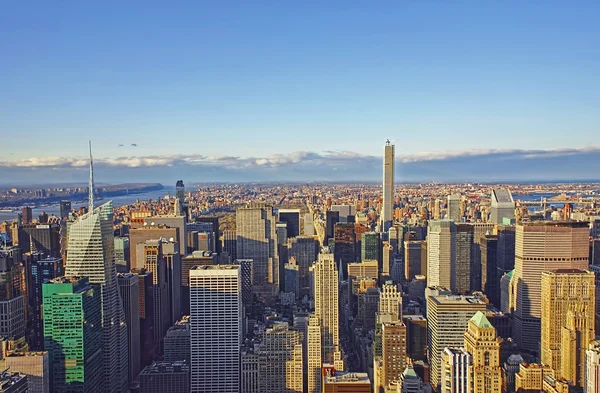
329, 158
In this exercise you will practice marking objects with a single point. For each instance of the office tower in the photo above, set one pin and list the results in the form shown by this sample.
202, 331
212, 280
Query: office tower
230, 243
592, 368
315, 360
27, 216
155, 263
568, 295
163, 376
65, 209
489, 268
214, 231
387, 260
370, 246
129, 287
291, 281
503, 205
72, 310
390, 301
91, 254
250, 365
595, 257
13, 306
301, 325
173, 261
42, 271
388, 186
505, 257
368, 304
482, 342
177, 341
415, 258
280, 360
416, 331
331, 218
441, 253
292, 218
447, 319
410, 382
145, 233
542, 246
13, 382
326, 303
167, 221
44, 238
505, 292
338, 381
256, 240
43, 218
456, 370
531, 377
180, 191
305, 250
148, 348
309, 225
454, 208
246, 266
35, 365
344, 245
461, 273
197, 258
394, 354
122, 254
215, 328
347, 213
510, 369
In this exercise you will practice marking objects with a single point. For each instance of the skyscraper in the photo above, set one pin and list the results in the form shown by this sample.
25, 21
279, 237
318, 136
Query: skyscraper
65, 209
447, 320
390, 301
482, 342
305, 250
257, 240
280, 360
415, 258
503, 205
344, 245
441, 253
42, 271
567, 294
542, 246
292, 218
370, 247
73, 335
315, 360
490, 282
215, 328
461, 272
91, 254
387, 212
454, 208
394, 351
129, 286
326, 304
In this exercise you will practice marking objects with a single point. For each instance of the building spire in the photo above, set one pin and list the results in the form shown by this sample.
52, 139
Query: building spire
91, 185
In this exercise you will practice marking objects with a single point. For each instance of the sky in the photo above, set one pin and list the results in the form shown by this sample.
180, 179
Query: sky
268, 90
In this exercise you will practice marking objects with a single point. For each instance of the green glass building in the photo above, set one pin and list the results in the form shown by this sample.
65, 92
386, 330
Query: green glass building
369, 247
73, 334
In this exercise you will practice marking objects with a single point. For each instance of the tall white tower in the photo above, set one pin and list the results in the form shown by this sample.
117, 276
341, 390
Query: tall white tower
387, 213
215, 328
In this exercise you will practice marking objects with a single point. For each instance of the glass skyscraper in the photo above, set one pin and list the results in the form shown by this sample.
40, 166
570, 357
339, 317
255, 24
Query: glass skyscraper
73, 334
91, 254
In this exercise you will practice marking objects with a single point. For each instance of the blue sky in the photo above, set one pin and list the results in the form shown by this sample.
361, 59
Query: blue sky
257, 79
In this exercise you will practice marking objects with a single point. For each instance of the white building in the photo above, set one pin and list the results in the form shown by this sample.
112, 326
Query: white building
215, 328
456, 371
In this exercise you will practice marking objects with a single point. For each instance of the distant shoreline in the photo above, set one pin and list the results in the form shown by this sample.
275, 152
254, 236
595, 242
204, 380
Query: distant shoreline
101, 192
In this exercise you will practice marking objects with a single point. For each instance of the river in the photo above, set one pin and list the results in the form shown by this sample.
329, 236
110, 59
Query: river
117, 200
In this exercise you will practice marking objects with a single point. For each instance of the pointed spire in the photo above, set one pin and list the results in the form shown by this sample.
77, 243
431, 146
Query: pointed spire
91, 185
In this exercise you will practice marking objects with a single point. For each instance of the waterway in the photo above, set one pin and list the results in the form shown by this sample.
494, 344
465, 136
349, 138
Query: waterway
118, 201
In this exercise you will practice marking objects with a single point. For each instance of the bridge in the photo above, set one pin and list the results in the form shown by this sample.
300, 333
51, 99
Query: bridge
545, 202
